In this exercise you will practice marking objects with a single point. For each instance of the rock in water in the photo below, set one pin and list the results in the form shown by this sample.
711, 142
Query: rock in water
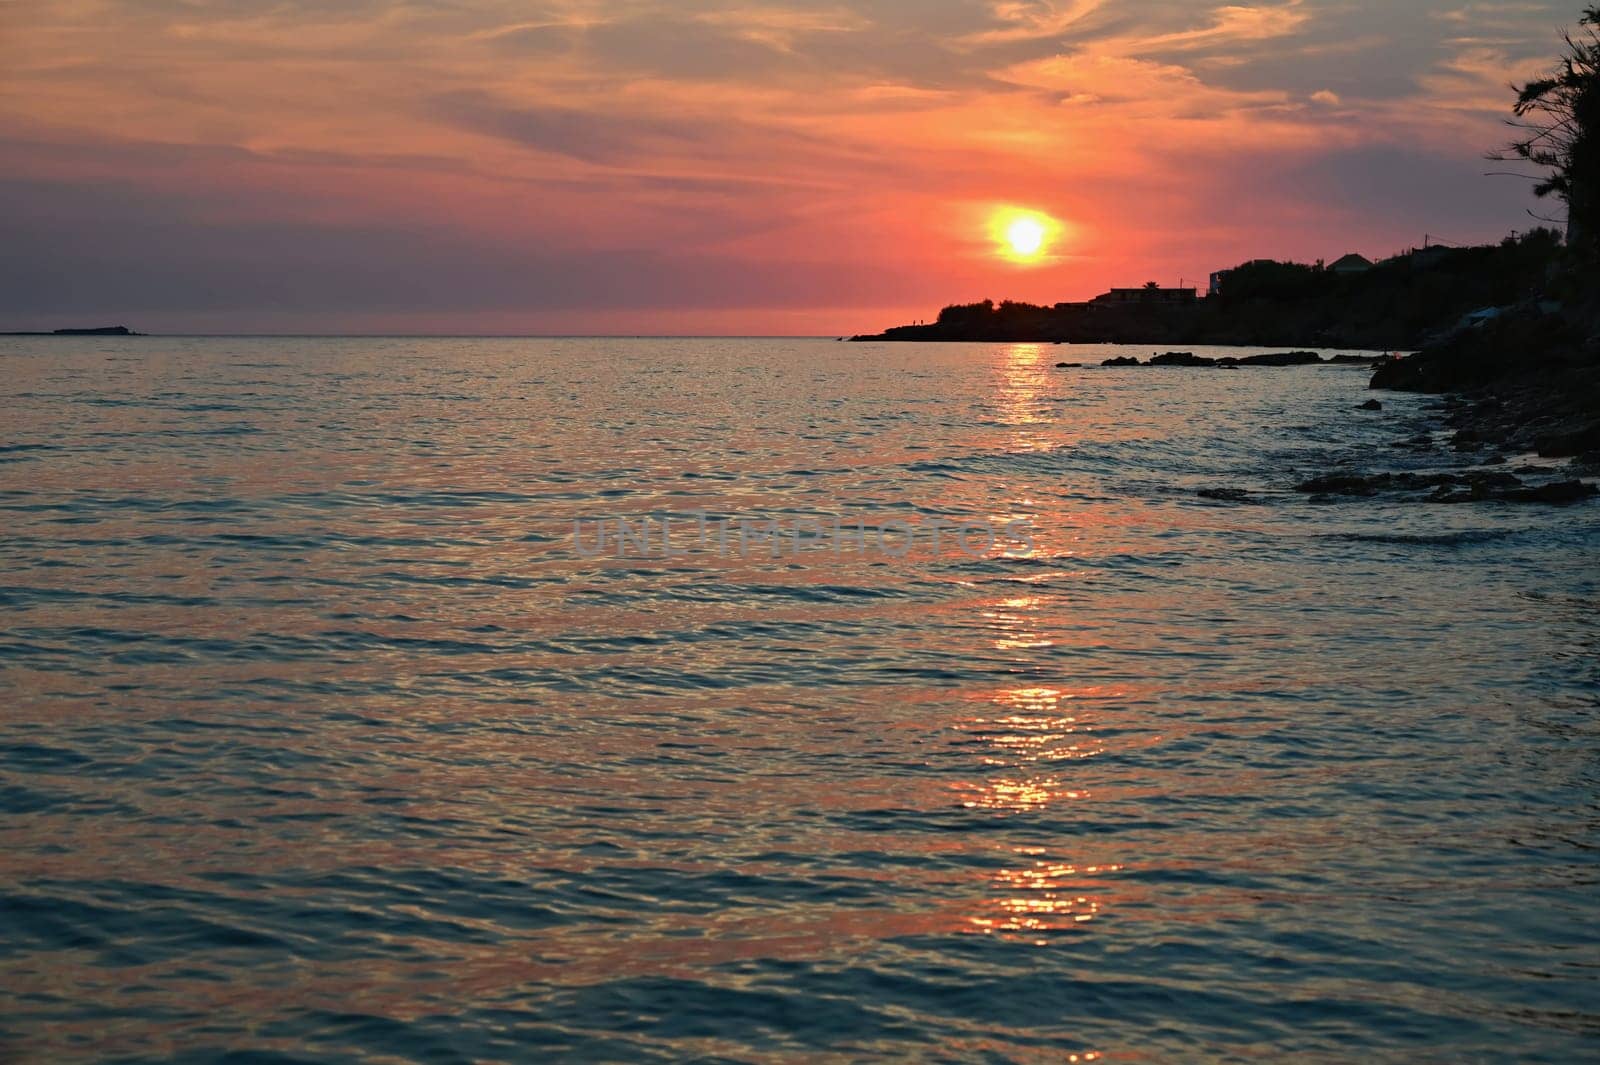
1560, 445
1340, 484
1371, 404
1182, 358
1226, 495
1558, 492
1287, 358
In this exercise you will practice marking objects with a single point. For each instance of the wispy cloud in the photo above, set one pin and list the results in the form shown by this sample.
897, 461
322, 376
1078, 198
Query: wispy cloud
1030, 20
781, 28
1231, 25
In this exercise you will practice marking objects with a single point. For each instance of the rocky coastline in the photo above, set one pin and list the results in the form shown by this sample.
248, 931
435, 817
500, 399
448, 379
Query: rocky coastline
1516, 392
1524, 384
1513, 395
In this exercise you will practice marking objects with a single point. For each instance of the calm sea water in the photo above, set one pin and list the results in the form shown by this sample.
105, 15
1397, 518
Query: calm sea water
323, 740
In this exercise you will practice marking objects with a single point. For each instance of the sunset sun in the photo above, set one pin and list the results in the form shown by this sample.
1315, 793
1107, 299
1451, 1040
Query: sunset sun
1026, 236
1023, 237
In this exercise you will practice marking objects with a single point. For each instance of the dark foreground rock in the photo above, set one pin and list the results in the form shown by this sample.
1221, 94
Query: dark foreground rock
1569, 443
1522, 345
1558, 492
1525, 381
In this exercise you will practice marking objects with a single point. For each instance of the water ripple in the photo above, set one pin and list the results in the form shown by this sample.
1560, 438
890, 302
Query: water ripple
321, 742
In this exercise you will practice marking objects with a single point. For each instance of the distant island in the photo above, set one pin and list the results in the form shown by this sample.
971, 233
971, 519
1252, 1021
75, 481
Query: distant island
97, 331
1401, 303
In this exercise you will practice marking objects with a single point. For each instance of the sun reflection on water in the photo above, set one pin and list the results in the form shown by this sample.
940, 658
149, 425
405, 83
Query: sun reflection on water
1019, 397
1009, 619
1043, 896
1028, 741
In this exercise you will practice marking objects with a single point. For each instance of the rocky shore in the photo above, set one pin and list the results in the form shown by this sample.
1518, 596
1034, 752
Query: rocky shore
1527, 383
1519, 390
1518, 420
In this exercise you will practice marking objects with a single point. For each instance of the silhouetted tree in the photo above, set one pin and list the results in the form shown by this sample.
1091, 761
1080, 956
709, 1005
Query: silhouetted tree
966, 313
1559, 116
1151, 286
1264, 279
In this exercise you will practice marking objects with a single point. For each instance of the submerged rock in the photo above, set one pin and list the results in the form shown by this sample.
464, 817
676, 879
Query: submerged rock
1467, 486
1370, 404
1340, 484
1227, 495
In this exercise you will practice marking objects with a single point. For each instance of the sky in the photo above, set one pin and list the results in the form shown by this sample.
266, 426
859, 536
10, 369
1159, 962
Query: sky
716, 167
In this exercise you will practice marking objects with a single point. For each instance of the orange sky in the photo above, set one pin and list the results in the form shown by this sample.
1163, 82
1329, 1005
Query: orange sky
622, 166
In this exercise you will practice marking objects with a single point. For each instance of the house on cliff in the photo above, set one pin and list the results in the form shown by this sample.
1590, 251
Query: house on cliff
1351, 264
1151, 293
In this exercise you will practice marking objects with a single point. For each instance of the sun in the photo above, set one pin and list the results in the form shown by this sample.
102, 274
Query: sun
1023, 237
1026, 237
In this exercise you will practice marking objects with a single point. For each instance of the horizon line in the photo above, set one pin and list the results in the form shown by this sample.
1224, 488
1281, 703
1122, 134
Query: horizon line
426, 336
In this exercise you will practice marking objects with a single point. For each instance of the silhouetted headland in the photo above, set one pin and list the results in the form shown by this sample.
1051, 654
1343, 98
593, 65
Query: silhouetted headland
95, 331
1397, 304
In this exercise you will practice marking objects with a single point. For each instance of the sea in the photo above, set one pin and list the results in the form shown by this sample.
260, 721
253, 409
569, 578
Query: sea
389, 700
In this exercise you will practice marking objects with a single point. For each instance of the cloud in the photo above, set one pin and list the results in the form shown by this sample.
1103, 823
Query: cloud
781, 28
583, 134
1030, 20
1231, 25
1410, 191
